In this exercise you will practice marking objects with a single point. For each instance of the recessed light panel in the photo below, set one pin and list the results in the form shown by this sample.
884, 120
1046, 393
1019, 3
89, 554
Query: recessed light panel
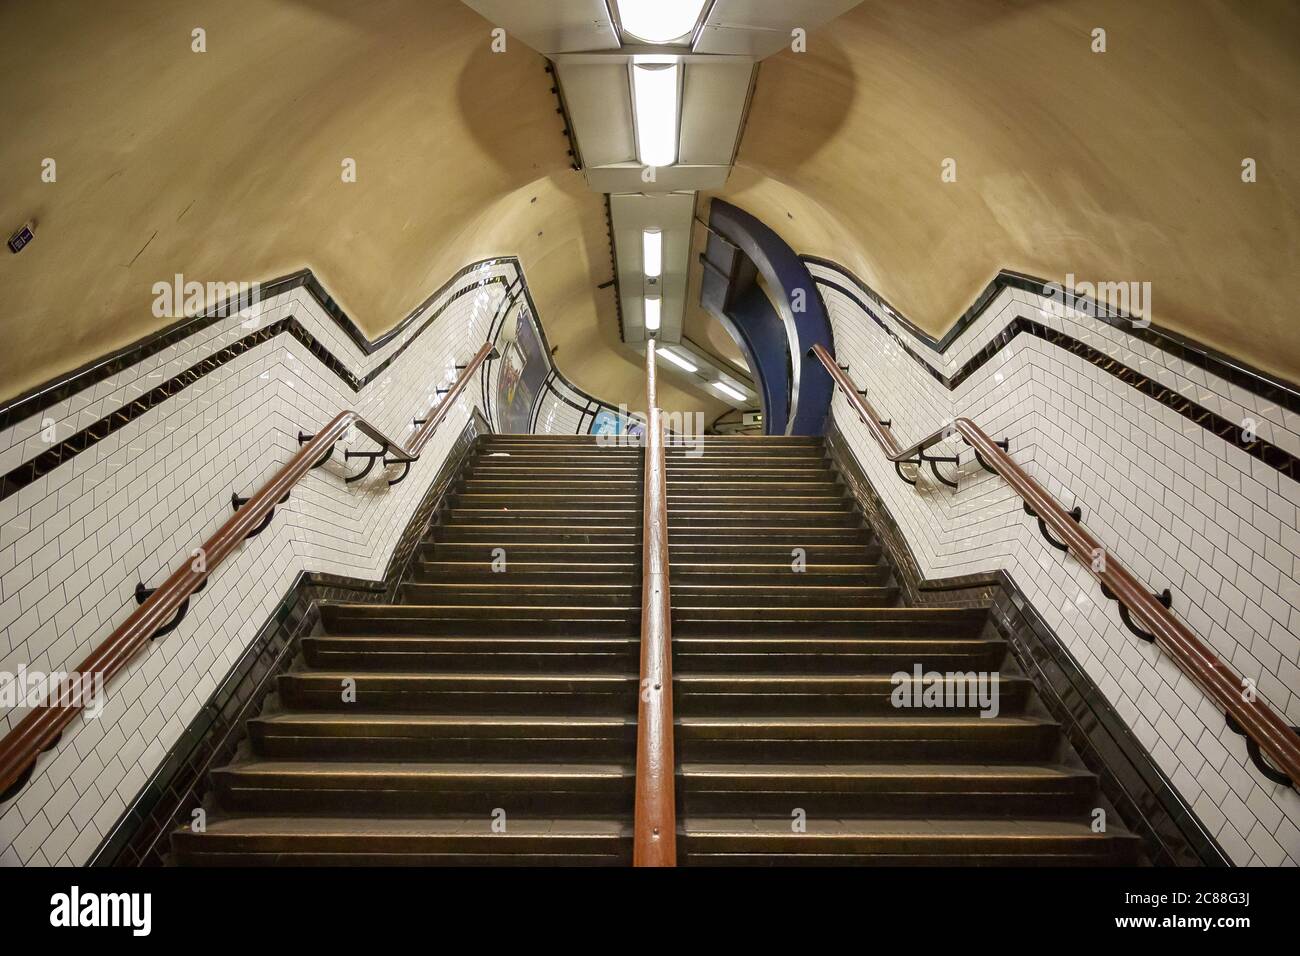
654, 92
660, 21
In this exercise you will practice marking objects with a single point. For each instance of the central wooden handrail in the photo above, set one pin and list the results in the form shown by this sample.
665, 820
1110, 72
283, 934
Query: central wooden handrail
41, 727
1261, 725
655, 824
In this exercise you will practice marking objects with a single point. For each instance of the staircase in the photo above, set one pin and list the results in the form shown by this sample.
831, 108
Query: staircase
789, 748
495, 711
492, 716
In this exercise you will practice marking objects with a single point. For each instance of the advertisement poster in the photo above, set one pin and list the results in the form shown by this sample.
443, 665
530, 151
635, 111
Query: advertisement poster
609, 423
523, 370
606, 423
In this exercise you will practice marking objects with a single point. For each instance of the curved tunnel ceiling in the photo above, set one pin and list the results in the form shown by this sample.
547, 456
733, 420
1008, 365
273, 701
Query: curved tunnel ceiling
226, 165
1116, 166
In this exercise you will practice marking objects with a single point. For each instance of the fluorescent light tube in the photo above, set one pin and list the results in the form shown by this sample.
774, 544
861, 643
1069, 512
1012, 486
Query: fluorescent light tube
730, 392
654, 91
652, 252
677, 360
660, 21
652, 310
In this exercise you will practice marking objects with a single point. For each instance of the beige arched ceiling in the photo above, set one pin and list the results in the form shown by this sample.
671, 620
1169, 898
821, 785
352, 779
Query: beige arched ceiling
1116, 166
226, 166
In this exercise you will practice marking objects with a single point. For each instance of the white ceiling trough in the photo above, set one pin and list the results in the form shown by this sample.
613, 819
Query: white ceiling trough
553, 26
759, 28
596, 47
597, 91
599, 101
714, 96
673, 214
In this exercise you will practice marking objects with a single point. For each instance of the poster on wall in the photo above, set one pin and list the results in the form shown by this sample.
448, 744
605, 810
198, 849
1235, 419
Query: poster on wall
523, 370
606, 423
609, 423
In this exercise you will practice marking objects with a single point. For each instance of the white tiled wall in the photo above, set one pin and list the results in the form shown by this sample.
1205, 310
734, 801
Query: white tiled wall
559, 417
132, 507
1180, 507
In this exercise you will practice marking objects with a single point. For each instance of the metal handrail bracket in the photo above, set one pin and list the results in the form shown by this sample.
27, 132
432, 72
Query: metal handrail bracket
42, 726
1244, 709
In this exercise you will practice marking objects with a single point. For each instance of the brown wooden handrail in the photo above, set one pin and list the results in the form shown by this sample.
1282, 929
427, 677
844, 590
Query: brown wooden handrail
41, 727
655, 824
1220, 682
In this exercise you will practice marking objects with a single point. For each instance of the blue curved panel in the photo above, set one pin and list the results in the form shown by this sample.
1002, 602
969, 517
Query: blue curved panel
758, 331
780, 337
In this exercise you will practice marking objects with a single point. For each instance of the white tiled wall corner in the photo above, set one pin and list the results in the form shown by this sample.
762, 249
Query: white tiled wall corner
130, 508
565, 410
557, 416
1180, 507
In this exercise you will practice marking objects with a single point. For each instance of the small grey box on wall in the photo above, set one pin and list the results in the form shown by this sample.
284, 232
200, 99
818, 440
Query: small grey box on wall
21, 238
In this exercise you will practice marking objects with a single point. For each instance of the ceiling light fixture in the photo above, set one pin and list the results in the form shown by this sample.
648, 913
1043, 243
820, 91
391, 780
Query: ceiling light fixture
660, 21
652, 252
652, 308
677, 360
727, 390
654, 93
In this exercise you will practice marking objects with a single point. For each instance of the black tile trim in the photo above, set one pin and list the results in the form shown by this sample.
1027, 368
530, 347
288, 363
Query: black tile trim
1144, 797
537, 405
29, 471
1269, 387
141, 835
495, 325
592, 407
51, 393
65, 386
1272, 455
